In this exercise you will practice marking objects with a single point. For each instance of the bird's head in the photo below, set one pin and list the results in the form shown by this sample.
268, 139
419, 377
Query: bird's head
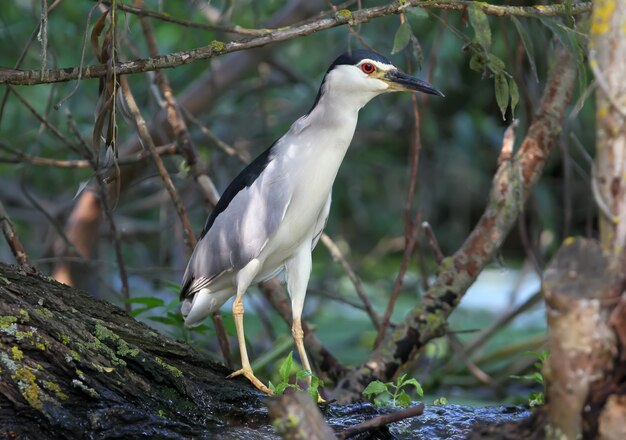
365, 74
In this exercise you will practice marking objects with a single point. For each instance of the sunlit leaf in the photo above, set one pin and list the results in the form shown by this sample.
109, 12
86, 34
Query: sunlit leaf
514, 92
375, 387
416, 384
480, 24
402, 37
403, 399
285, 367
440, 401
528, 46
502, 93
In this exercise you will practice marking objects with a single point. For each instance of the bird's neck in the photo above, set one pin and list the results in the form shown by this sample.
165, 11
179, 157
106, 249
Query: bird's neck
334, 118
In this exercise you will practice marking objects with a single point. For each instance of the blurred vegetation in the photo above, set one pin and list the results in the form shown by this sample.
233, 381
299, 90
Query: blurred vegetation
460, 136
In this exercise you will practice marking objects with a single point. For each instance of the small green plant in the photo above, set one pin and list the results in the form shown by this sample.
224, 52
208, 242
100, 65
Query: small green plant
536, 398
390, 393
440, 401
284, 372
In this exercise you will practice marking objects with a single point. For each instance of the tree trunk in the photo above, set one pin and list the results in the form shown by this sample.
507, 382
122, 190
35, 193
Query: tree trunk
72, 366
579, 287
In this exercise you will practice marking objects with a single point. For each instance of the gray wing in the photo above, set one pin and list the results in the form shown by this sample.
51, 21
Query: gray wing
240, 230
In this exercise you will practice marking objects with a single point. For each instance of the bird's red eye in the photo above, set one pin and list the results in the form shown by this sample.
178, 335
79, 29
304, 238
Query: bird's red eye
368, 68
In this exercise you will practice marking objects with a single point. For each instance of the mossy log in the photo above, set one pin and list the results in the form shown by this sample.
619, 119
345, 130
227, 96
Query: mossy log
72, 366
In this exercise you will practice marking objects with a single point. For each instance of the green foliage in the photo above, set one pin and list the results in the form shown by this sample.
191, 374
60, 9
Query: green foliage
536, 398
482, 31
390, 393
402, 37
440, 401
285, 374
502, 92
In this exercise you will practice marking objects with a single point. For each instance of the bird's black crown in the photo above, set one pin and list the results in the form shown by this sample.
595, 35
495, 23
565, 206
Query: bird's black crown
356, 56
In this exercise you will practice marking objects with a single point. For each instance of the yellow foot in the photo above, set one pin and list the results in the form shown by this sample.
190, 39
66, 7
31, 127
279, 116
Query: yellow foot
320, 399
248, 374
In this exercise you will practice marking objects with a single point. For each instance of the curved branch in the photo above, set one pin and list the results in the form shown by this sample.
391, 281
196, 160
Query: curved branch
215, 48
511, 186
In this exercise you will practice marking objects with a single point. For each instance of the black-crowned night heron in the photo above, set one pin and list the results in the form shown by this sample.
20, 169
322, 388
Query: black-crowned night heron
271, 216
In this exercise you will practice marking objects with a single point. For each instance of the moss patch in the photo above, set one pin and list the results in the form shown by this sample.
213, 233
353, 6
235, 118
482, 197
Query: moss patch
170, 368
55, 388
27, 384
18, 355
217, 46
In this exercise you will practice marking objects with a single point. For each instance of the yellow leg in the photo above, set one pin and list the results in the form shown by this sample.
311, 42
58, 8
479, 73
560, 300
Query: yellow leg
298, 337
246, 369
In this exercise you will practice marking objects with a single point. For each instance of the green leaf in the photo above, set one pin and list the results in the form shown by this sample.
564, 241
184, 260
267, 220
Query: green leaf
416, 384
495, 64
313, 389
402, 37
375, 387
403, 399
502, 93
417, 12
536, 399
280, 388
528, 46
514, 92
148, 301
477, 62
482, 31
440, 401
285, 368
303, 374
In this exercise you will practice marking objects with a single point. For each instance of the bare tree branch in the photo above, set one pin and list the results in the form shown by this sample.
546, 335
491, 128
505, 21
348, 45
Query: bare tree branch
13, 240
215, 48
142, 130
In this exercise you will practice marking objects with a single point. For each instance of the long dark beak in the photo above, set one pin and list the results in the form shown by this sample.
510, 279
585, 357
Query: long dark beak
401, 81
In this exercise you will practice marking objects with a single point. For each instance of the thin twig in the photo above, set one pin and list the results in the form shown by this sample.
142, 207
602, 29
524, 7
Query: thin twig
410, 223
13, 240
460, 351
147, 13
82, 58
382, 420
106, 205
335, 252
187, 148
146, 139
243, 156
20, 157
502, 321
25, 50
43, 35
55, 131
433, 242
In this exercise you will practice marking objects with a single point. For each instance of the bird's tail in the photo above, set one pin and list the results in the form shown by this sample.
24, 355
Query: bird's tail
200, 305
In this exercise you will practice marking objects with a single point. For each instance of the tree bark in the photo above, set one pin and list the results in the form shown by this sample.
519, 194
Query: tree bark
72, 366
578, 287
